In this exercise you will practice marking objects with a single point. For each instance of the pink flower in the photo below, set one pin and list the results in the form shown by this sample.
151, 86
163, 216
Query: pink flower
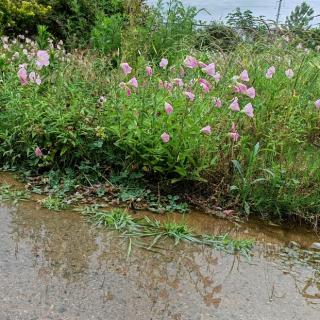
35, 78
217, 102
38, 152
189, 95
178, 82
201, 64
206, 130
210, 69
240, 88
190, 62
168, 85
289, 73
133, 82
234, 106
42, 59
248, 110
38, 80
317, 104
128, 92
251, 93
233, 134
168, 108
165, 137
149, 71
205, 85
236, 89
244, 76
126, 69
217, 77
270, 72
23, 76
163, 63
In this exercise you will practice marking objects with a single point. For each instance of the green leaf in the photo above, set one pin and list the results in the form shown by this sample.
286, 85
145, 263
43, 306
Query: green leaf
237, 165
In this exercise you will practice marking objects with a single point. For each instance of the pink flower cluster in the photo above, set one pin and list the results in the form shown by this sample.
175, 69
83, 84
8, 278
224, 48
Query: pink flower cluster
210, 69
42, 60
241, 87
24, 78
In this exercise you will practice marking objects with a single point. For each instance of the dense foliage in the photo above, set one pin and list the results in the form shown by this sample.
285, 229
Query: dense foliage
236, 112
245, 123
71, 20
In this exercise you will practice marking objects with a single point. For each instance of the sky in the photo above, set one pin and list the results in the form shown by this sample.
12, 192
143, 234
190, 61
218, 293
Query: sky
220, 8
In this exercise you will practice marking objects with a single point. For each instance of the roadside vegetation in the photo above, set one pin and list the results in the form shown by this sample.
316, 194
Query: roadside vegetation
135, 229
149, 106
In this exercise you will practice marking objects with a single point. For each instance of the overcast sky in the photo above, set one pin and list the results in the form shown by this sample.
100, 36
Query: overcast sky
220, 8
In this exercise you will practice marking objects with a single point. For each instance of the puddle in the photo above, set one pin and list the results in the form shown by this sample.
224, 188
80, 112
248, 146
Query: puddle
57, 266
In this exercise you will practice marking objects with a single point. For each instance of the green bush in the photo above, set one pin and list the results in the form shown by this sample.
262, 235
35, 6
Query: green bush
154, 32
217, 36
17, 16
106, 34
70, 20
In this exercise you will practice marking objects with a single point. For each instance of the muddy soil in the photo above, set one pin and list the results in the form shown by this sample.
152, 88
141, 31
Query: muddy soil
57, 266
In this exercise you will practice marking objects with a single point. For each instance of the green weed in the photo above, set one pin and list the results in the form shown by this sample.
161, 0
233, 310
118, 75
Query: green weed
134, 228
116, 219
9, 193
53, 203
225, 243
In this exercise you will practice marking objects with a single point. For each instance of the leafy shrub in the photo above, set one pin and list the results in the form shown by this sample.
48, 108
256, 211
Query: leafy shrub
71, 20
217, 36
18, 15
106, 34
160, 31
246, 23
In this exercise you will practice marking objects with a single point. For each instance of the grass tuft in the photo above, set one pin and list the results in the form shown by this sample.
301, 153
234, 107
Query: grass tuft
53, 203
121, 220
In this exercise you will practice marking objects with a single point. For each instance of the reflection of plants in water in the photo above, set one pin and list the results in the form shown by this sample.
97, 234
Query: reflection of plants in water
172, 273
8, 193
302, 257
61, 244
292, 258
